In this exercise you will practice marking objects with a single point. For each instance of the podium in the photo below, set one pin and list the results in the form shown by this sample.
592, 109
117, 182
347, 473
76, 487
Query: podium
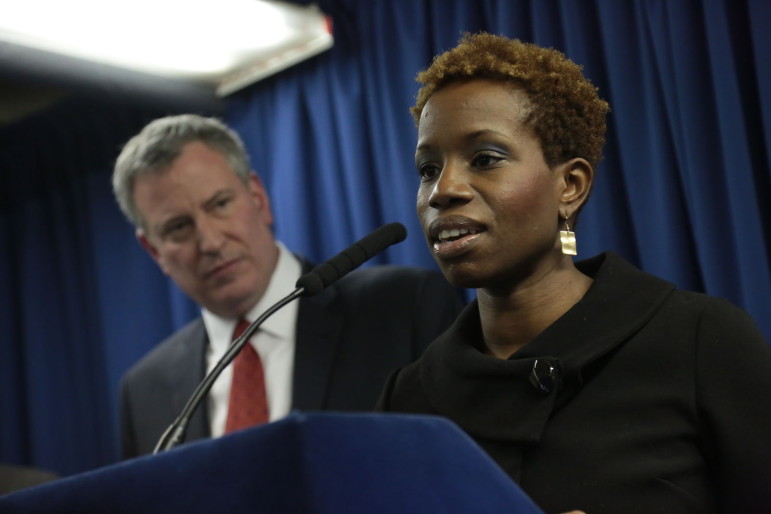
306, 463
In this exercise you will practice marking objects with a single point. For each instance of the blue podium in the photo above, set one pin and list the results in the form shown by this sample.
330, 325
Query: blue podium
305, 463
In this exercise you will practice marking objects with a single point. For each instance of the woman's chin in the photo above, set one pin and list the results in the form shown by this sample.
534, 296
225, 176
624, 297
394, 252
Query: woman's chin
460, 275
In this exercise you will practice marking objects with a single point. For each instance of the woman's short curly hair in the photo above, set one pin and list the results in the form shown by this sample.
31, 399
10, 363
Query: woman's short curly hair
567, 115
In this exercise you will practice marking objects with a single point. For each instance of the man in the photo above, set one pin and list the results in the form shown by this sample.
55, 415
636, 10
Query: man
205, 218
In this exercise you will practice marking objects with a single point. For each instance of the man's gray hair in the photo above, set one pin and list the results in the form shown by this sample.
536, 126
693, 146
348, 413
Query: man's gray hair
156, 147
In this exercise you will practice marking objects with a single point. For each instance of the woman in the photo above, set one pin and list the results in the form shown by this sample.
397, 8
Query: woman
594, 385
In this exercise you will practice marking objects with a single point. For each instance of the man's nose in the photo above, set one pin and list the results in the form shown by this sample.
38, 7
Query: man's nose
210, 235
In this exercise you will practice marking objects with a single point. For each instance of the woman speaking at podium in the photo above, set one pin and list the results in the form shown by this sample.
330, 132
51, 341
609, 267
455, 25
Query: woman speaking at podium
592, 384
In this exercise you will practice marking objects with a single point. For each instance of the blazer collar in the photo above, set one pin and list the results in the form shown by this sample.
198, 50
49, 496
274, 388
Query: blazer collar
507, 405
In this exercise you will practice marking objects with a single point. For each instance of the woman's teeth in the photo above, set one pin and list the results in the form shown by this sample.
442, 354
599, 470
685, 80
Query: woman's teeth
454, 233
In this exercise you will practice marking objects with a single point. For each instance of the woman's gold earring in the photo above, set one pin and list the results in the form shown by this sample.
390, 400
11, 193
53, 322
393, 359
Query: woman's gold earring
568, 240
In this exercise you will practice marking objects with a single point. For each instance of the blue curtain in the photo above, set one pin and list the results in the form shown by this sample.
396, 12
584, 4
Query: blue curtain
684, 190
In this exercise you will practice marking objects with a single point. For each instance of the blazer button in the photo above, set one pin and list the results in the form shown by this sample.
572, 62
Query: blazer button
544, 376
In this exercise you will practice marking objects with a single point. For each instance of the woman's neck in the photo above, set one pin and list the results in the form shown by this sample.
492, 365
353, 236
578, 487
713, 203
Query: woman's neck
512, 320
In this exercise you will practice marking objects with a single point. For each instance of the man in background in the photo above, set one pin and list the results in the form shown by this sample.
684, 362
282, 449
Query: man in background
205, 217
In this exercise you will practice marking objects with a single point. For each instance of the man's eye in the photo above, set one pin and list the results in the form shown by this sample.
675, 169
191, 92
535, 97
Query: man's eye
176, 228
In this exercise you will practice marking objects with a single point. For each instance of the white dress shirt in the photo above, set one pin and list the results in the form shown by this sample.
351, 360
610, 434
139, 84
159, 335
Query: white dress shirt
274, 341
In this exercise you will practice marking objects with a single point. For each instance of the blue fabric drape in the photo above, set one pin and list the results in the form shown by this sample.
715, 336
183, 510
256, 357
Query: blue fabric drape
684, 190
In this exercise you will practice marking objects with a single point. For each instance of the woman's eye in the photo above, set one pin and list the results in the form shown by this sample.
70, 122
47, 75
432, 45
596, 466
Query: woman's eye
428, 171
486, 160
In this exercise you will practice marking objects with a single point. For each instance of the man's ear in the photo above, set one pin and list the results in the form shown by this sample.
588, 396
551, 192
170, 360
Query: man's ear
145, 243
260, 194
577, 179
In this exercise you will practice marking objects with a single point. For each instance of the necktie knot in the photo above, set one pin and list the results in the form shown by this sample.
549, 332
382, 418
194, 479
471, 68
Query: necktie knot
241, 327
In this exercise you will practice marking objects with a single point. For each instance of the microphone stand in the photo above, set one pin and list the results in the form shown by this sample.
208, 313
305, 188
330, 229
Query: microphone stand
175, 434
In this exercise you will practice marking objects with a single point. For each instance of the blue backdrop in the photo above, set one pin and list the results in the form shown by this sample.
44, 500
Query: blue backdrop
684, 190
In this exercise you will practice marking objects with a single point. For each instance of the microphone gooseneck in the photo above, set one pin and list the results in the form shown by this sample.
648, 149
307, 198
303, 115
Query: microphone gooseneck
175, 434
309, 284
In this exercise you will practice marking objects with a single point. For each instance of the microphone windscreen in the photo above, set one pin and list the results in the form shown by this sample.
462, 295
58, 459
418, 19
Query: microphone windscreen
311, 282
352, 257
382, 238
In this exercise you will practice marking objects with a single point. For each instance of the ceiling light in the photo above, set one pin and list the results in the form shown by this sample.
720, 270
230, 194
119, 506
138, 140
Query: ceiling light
226, 43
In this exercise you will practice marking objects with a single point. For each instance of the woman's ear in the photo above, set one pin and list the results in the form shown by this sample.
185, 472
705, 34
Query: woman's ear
577, 179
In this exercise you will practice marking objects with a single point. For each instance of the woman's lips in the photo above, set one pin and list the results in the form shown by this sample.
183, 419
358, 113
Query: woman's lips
451, 236
454, 246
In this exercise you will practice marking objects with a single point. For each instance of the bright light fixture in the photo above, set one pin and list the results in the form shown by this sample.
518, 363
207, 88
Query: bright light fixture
228, 43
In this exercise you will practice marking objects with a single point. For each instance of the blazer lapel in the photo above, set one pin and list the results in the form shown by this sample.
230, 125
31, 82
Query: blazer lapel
187, 371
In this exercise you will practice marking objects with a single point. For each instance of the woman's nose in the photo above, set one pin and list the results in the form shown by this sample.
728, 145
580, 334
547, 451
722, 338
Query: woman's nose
451, 187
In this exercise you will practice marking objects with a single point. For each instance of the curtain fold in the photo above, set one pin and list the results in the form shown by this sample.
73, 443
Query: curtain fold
683, 191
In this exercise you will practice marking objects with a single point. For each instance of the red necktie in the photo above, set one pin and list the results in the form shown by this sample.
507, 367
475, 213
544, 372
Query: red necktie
248, 403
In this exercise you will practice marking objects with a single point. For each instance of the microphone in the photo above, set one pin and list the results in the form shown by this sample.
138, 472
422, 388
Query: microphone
309, 284
351, 258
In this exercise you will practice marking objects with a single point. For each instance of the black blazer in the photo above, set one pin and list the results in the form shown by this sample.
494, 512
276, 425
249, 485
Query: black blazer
349, 338
641, 398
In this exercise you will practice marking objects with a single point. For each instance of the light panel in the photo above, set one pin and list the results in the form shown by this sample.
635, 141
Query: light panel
228, 43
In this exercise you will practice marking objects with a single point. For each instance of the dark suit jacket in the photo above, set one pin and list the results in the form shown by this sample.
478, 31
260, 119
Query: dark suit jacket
349, 338
641, 398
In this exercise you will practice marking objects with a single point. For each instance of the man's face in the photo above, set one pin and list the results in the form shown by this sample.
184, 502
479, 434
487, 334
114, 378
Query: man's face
208, 231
